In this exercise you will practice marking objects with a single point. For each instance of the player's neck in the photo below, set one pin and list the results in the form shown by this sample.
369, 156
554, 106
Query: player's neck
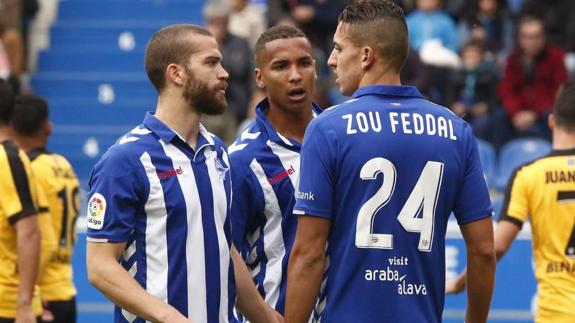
29, 143
563, 140
386, 78
178, 116
290, 124
5, 133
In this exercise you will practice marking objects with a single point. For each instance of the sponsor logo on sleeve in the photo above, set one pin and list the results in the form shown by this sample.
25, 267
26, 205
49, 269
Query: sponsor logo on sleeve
96, 211
305, 196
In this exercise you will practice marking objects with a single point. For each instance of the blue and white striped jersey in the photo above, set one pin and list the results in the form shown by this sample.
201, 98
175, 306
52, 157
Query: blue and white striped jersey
265, 170
170, 205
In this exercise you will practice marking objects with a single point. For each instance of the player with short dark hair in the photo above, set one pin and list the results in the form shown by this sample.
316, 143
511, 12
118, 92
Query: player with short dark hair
25, 231
265, 159
543, 192
159, 234
61, 187
380, 175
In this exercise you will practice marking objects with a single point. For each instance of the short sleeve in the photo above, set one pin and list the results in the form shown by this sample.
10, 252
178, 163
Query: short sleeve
516, 204
245, 207
16, 191
473, 202
114, 201
314, 196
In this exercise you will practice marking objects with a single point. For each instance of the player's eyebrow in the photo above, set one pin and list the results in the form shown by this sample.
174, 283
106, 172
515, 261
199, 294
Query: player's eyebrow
213, 58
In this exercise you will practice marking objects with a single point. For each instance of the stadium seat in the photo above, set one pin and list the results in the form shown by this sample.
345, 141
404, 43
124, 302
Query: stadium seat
517, 152
487, 157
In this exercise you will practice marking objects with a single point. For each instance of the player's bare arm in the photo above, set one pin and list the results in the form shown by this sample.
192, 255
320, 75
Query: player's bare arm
481, 262
110, 278
28, 240
249, 302
306, 267
505, 234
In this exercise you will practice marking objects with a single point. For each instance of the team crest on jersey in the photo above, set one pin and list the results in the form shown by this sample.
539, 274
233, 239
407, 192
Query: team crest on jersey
221, 168
96, 211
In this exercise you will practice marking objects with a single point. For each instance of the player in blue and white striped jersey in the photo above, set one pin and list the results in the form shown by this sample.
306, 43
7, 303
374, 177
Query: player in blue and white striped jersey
265, 159
159, 199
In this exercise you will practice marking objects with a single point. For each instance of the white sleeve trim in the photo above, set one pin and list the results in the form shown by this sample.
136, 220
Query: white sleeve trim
99, 240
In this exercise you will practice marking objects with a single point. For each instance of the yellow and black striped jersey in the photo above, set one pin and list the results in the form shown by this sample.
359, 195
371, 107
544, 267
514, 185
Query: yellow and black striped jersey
19, 198
61, 187
543, 191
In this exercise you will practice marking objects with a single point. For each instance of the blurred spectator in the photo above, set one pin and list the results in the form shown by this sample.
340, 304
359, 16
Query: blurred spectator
318, 19
4, 63
279, 12
15, 16
415, 73
533, 74
11, 56
246, 20
488, 21
238, 62
456, 8
559, 19
10, 13
430, 22
472, 89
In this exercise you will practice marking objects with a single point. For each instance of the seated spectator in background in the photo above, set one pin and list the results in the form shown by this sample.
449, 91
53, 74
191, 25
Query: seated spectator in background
472, 89
487, 20
246, 20
428, 22
238, 62
534, 72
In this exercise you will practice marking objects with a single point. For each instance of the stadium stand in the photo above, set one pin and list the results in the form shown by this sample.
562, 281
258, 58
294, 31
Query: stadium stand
487, 157
517, 152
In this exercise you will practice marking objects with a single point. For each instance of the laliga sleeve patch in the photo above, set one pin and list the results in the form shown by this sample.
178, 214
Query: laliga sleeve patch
96, 211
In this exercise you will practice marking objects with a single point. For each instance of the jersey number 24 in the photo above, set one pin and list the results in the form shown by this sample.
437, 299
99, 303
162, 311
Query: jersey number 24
423, 198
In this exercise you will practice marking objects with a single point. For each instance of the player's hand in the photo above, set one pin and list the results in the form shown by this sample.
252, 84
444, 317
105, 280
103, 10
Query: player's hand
25, 314
454, 286
278, 317
523, 120
47, 315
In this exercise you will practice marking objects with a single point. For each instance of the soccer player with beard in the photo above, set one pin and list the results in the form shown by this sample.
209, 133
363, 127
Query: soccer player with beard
159, 235
265, 159
380, 175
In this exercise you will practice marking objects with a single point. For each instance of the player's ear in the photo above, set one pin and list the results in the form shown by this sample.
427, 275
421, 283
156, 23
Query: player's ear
367, 57
551, 121
176, 74
259, 78
314, 69
48, 128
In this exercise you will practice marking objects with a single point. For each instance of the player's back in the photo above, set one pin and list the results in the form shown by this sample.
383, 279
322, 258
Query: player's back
544, 190
399, 165
61, 187
18, 199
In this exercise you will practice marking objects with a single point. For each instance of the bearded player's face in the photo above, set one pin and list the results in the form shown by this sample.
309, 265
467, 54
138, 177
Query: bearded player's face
207, 81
